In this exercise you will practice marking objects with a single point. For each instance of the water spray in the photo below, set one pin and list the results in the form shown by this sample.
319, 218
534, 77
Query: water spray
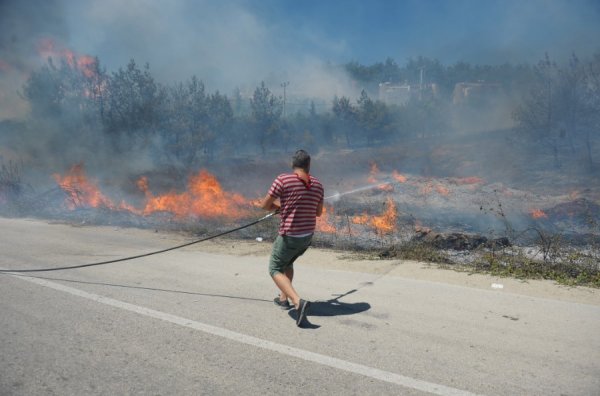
335, 197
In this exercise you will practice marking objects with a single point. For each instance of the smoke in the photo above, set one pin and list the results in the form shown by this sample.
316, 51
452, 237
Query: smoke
22, 25
225, 44
235, 43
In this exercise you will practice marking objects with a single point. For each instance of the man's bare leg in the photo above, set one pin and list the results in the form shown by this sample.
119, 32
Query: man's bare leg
289, 273
285, 285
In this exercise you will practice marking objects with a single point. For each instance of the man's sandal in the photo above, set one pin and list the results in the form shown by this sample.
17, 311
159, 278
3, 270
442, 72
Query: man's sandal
285, 305
302, 312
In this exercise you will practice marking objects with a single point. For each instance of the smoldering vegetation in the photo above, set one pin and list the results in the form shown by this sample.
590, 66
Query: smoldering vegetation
490, 166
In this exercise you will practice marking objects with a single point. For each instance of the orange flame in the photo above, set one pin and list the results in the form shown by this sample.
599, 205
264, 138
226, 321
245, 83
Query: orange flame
386, 187
361, 219
324, 223
383, 224
373, 172
86, 64
81, 191
204, 198
398, 177
386, 223
426, 189
538, 214
468, 180
442, 190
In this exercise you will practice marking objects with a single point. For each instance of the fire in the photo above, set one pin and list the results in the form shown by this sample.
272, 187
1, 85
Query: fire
86, 64
361, 219
81, 191
373, 178
420, 228
383, 224
373, 172
442, 190
323, 222
386, 223
426, 189
398, 177
538, 214
204, 198
468, 180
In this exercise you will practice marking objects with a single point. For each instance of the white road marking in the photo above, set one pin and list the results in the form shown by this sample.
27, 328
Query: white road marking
325, 360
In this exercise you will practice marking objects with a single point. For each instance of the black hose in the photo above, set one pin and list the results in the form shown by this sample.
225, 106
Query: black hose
141, 255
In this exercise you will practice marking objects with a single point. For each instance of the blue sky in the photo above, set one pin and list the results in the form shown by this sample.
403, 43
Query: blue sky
236, 41
486, 31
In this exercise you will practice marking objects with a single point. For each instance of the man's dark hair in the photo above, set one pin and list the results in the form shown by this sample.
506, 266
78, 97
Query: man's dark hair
301, 160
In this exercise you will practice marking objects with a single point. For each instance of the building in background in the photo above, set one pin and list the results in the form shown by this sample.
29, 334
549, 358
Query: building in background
400, 94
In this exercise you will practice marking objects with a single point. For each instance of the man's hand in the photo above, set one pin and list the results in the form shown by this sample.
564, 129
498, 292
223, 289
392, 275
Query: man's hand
270, 203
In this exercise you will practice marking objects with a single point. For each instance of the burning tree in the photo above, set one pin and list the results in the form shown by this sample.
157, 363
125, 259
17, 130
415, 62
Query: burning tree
70, 94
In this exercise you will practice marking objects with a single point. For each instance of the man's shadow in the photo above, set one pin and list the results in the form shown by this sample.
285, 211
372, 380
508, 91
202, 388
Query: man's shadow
331, 307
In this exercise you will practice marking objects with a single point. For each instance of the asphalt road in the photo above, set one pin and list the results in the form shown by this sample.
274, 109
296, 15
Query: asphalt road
191, 322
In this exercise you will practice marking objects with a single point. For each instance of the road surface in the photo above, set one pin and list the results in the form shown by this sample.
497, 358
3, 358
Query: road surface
201, 320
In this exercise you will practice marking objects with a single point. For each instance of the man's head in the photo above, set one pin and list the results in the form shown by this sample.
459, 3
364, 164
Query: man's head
301, 160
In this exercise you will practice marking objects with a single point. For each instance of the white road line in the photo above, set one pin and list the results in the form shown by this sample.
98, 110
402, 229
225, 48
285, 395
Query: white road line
258, 342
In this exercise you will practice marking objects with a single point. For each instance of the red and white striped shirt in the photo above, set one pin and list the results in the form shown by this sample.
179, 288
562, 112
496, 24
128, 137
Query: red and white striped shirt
299, 202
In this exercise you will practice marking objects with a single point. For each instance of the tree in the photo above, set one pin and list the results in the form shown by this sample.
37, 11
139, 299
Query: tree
580, 88
184, 130
266, 114
44, 91
67, 100
220, 121
238, 102
591, 133
135, 105
374, 119
562, 107
537, 117
195, 121
346, 117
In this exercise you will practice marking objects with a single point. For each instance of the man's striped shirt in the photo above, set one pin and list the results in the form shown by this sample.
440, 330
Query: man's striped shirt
299, 202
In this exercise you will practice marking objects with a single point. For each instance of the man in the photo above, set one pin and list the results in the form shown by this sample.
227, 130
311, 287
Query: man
299, 198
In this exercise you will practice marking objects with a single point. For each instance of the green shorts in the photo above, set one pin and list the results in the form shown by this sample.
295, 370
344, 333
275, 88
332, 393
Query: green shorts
286, 250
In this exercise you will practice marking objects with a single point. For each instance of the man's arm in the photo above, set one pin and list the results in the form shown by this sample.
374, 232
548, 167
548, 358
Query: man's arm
320, 209
270, 203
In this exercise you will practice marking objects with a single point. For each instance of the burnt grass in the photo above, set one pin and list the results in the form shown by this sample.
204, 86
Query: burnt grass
479, 227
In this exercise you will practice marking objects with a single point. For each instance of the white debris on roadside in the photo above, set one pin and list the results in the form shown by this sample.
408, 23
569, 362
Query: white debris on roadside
259, 239
497, 286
